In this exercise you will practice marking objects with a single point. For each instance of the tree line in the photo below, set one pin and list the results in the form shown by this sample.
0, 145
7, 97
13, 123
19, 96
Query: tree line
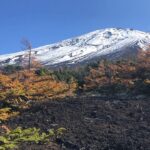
104, 77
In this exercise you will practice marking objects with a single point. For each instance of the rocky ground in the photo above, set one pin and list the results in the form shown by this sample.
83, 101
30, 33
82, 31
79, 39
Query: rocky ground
92, 123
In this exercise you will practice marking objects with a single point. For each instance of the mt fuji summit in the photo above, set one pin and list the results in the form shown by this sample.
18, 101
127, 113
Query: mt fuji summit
112, 43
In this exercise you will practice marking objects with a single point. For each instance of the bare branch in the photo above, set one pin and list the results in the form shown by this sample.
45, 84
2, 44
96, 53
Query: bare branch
28, 46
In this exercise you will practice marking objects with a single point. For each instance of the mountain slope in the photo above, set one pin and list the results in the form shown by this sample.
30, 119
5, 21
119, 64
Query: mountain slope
111, 42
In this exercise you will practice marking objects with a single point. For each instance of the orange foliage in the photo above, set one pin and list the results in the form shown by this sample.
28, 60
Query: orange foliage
28, 84
9, 87
125, 73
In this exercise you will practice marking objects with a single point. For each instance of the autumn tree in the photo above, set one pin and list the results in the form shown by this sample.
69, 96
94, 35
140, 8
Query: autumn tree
10, 87
143, 72
29, 85
126, 76
102, 77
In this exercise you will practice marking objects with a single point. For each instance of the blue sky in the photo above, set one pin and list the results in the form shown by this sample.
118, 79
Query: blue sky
48, 21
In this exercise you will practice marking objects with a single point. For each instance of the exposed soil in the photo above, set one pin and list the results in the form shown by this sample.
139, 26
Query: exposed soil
92, 123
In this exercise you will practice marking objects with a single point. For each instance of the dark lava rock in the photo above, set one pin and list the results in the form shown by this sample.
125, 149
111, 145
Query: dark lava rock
91, 123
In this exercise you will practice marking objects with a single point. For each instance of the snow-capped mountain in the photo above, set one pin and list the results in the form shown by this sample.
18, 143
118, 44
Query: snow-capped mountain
110, 42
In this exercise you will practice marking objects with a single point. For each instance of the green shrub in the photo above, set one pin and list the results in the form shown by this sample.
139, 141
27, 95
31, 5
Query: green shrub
15, 137
63, 75
42, 72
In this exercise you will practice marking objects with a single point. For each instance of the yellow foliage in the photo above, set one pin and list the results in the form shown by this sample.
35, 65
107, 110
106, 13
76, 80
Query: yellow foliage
10, 87
6, 113
32, 86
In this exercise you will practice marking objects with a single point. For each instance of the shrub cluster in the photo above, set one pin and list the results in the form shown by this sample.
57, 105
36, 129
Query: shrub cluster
123, 76
28, 84
13, 138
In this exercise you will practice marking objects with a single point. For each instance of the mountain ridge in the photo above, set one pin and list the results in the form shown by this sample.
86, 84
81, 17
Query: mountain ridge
99, 43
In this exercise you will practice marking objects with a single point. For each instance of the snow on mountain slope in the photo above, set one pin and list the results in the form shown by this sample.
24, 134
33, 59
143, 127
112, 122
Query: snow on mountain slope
83, 48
